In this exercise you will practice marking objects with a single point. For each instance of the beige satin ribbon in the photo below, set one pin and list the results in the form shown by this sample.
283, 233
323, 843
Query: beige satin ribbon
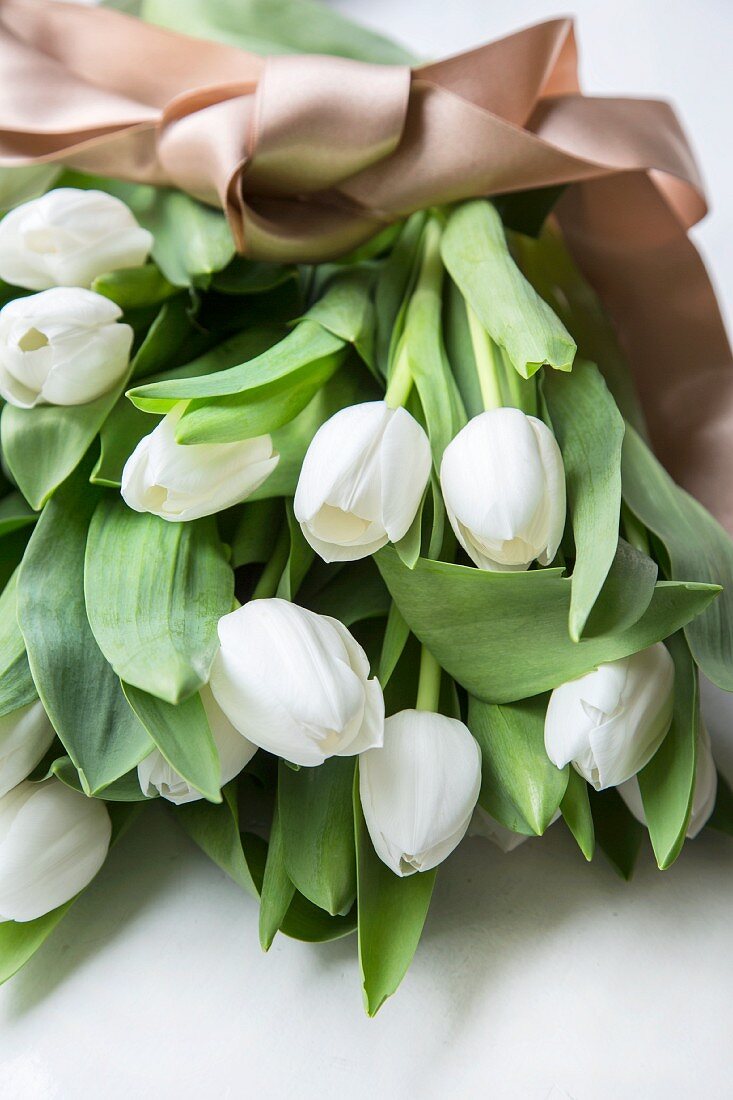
310, 155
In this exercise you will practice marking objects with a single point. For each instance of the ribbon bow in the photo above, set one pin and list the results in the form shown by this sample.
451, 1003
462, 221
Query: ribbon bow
309, 156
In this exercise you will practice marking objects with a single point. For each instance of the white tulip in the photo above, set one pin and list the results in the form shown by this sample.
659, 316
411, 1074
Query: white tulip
61, 347
362, 481
181, 482
53, 840
484, 825
296, 683
67, 237
419, 790
503, 483
25, 737
156, 776
706, 789
610, 722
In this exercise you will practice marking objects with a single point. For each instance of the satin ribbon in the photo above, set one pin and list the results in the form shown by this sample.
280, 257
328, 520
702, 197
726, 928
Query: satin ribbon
309, 156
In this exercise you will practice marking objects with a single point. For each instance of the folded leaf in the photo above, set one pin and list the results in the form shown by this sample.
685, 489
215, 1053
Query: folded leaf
626, 594
697, 546
475, 252
667, 783
80, 691
216, 831
278, 890
576, 812
155, 592
590, 431
520, 787
392, 912
504, 636
134, 287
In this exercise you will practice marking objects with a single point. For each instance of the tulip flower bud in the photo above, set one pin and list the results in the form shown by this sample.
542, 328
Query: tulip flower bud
53, 840
703, 799
503, 483
156, 776
61, 347
362, 481
185, 481
419, 790
296, 683
610, 722
25, 736
67, 237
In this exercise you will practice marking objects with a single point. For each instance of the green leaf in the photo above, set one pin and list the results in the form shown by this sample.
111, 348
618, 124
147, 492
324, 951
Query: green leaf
392, 912
155, 592
520, 787
394, 285
133, 287
626, 594
475, 252
590, 431
42, 446
215, 829
25, 182
274, 27
395, 638
300, 557
357, 592
315, 812
617, 831
125, 789
183, 736
17, 688
256, 532
81, 694
15, 513
422, 344
277, 889
192, 241
169, 336
576, 812
504, 636
667, 783
697, 547
243, 276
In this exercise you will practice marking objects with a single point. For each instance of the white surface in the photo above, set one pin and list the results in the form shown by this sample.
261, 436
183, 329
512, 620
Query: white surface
538, 976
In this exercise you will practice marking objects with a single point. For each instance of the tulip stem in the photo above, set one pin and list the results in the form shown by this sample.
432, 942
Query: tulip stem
269, 581
400, 382
488, 364
428, 684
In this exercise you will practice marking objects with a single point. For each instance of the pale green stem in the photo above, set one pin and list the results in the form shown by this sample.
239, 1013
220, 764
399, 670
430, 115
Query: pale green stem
400, 382
488, 364
269, 580
428, 685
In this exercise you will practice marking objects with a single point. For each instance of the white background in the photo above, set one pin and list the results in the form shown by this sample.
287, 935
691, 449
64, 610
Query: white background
538, 976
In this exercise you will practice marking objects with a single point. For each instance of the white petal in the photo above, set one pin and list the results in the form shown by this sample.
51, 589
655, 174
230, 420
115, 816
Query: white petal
405, 471
53, 840
25, 736
419, 790
706, 785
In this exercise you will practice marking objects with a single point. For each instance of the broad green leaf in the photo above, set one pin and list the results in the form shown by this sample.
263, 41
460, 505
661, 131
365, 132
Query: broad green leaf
392, 912
155, 592
243, 276
215, 829
300, 557
347, 387
316, 819
590, 431
15, 513
667, 783
133, 287
78, 688
697, 547
422, 345
519, 784
504, 636
476, 254
256, 531
576, 812
125, 789
183, 736
16, 683
191, 241
617, 831
277, 889
626, 594
274, 27
42, 446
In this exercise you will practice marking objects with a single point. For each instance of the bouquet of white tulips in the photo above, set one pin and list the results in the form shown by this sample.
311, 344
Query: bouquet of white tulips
340, 563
